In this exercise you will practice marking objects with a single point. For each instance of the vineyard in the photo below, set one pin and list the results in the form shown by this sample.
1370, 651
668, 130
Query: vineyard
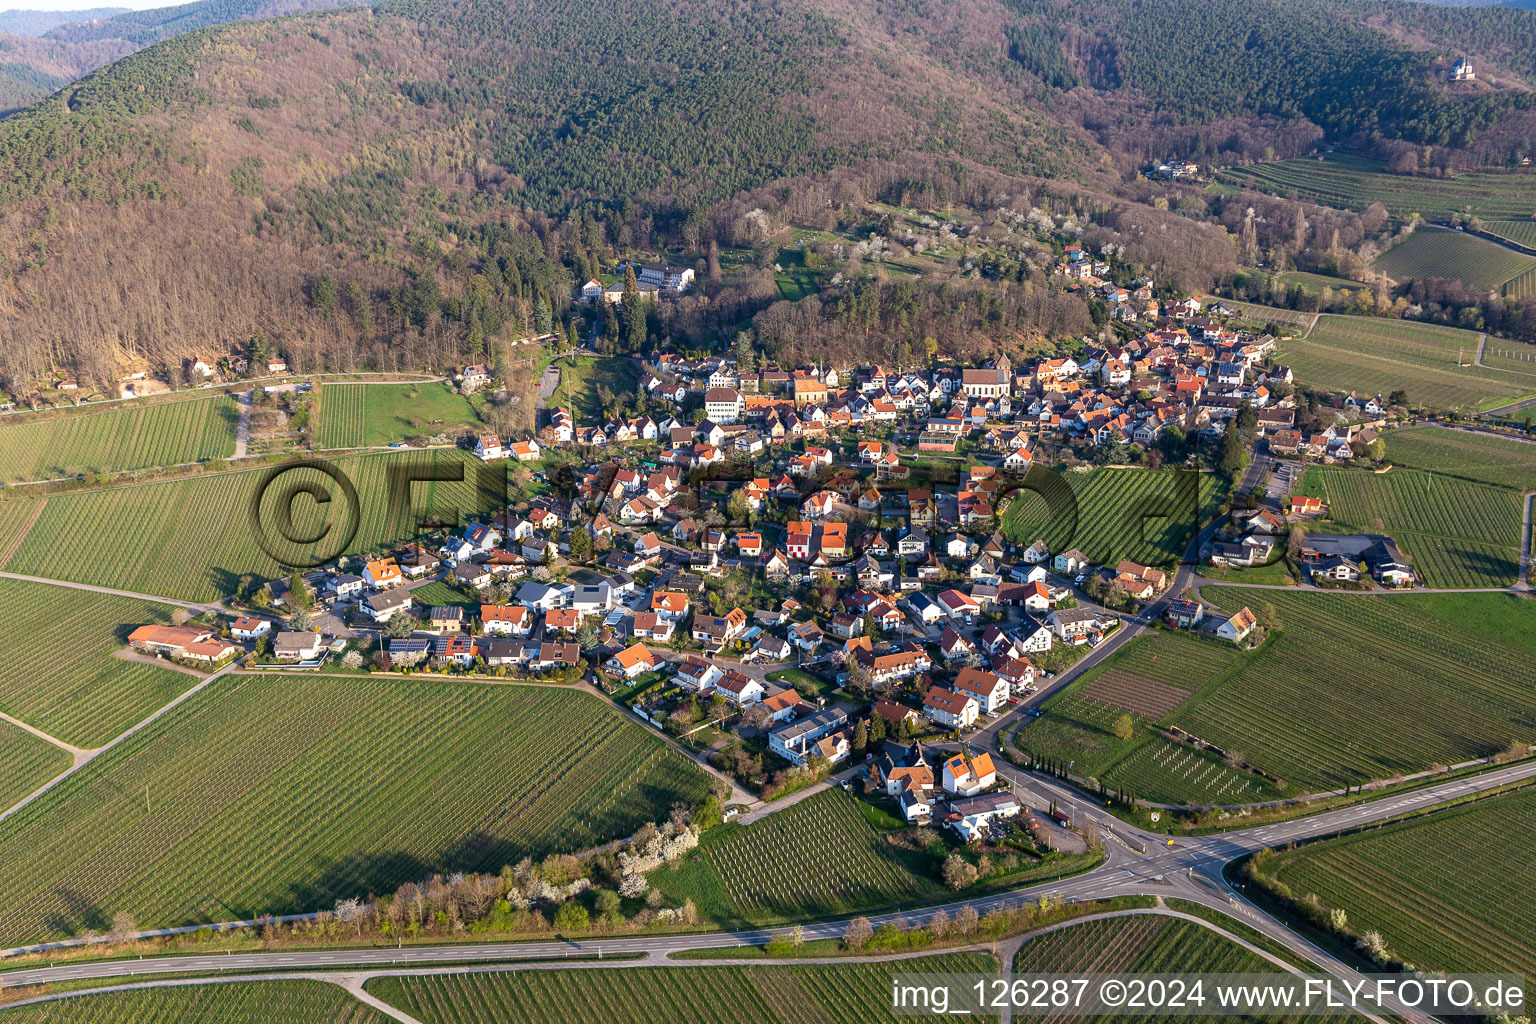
191, 539
26, 762
131, 437
1144, 515
372, 415
1355, 688
1139, 944
76, 689
1450, 891
1354, 182
1149, 678
1514, 356
1521, 287
281, 794
819, 856
250, 1002
1373, 356
1456, 533
1494, 460
758, 994
1261, 314
1436, 252
1521, 232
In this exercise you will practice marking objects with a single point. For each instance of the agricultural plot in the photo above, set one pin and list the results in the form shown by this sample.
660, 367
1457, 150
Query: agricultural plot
252, 1002
755, 994
1410, 882
1483, 457
1261, 314
130, 437
1355, 688
1521, 232
1150, 678
1354, 182
1514, 356
1144, 515
282, 793
1456, 533
26, 762
371, 415
1437, 252
16, 518
1143, 943
820, 856
192, 539
77, 690
1373, 356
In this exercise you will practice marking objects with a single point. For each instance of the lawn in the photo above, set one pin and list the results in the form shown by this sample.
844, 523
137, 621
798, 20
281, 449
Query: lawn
581, 376
125, 437
1358, 687
279, 794
759, 993
1141, 514
1456, 533
192, 539
1411, 882
1483, 457
794, 278
1354, 182
1149, 679
374, 415
446, 595
26, 762
1436, 252
818, 857
258, 1002
1374, 356
59, 673
804, 683
1140, 944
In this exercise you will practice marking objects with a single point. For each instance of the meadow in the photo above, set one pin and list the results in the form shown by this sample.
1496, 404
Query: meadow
1410, 881
26, 762
192, 539
373, 415
1140, 944
274, 793
755, 994
1315, 283
1437, 252
59, 673
125, 437
1140, 514
818, 857
1456, 533
250, 1002
581, 376
1504, 461
1351, 688
1373, 356
1149, 679
1355, 182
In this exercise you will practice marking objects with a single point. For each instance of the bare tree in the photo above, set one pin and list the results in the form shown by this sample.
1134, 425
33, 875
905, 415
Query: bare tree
858, 934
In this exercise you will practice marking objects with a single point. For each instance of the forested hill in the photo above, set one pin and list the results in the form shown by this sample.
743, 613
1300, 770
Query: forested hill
142, 28
450, 165
35, 23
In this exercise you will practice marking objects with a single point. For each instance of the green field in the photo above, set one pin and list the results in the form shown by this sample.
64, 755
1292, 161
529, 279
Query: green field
1521, 231
1410, 882
581, 376
374, 415
1522, 287
1515, 356
251, 1002
1504, 461
192, 539
1436, 252
58, 673
1354, 182
1358, 687
282, 793
26, 762
815, 858
794, 278
1456, 533
1140, 944
1315, 283
1254, 311
752, 994
1149, 679
1371, 356
129, 437
1121, 513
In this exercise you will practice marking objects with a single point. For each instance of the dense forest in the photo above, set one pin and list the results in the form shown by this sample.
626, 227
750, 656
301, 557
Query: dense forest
425, 181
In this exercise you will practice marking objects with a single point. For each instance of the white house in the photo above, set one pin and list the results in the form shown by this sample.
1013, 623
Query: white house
989, 689
967, 774
950, 708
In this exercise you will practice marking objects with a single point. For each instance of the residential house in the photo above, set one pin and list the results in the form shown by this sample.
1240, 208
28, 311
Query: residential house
633, 661
1237, 628
967, 774
950, 708
989, 689
797, 741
